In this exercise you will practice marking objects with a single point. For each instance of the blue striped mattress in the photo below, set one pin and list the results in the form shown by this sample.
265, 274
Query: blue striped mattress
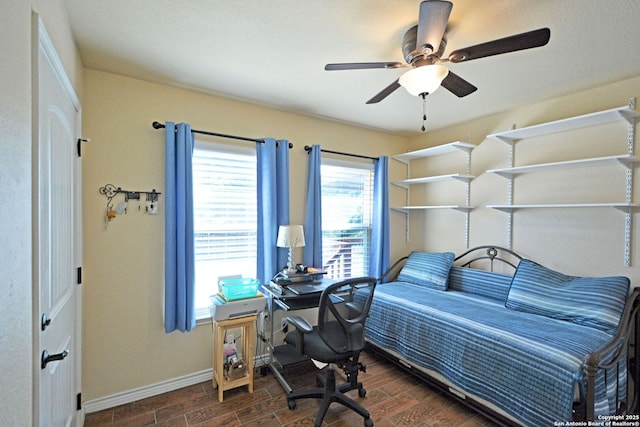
525, 364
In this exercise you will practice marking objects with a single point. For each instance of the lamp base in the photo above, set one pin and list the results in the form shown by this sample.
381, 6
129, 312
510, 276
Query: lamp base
289, 270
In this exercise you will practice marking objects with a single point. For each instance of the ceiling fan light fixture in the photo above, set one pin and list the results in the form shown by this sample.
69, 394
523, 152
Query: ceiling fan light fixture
425, 79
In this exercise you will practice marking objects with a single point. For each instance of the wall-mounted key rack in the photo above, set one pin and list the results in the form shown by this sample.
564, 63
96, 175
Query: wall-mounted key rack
110, 191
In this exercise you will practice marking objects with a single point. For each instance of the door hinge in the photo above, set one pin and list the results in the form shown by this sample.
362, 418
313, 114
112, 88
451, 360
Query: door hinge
78, 401
79, 276
79, 145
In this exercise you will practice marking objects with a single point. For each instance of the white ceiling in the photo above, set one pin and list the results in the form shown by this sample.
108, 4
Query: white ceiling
273, 52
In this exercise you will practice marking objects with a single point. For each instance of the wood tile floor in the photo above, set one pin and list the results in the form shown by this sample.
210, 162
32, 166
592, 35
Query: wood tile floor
393, 399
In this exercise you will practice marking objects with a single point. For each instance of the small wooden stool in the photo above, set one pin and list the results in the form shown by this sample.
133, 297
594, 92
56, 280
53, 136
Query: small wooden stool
247, 326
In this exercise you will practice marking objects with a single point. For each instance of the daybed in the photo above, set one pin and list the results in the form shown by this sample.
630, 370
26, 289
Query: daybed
534, 347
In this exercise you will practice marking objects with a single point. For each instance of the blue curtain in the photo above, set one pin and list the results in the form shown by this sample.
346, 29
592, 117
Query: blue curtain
313, 217
179, 273
379, 255
273, 205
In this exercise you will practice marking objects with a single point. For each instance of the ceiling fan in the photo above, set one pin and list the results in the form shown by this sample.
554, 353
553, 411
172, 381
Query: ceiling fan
423, 47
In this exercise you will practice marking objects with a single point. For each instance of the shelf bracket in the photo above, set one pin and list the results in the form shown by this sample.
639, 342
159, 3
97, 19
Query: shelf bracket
510, 183
467, 196
628, 217
630, 118
407, 217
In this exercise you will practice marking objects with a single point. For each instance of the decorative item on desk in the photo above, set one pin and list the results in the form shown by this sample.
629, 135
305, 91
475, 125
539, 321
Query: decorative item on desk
290, 236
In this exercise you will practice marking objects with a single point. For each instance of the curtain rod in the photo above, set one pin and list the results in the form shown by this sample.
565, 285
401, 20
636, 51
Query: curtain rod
307, 148
158, 125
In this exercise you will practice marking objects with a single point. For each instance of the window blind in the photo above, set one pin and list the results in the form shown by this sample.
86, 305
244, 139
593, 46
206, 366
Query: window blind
347, 202
225, 216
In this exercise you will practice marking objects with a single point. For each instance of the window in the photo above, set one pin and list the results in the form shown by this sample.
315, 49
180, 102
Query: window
225, 217
347, 204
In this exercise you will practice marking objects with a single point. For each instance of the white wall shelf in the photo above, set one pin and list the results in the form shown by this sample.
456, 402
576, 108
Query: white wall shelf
625, 207
406, 183
435, 151
627, 114
624, 159
424, 208
466, 178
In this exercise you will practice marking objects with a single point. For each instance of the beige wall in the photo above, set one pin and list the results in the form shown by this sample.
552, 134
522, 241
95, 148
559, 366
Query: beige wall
575, 241
125, 346
18, 363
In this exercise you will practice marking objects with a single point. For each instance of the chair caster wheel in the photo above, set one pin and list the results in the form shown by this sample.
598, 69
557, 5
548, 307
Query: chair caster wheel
362, 392
368, 422
291, 404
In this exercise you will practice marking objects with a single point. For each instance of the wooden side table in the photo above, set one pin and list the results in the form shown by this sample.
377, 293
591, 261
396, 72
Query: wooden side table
247, 326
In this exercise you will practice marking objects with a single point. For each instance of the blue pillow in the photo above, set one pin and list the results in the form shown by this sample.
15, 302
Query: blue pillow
484, 283
597, 302
430, 269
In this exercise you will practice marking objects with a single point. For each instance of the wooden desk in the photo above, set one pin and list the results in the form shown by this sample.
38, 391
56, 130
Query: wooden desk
247, 326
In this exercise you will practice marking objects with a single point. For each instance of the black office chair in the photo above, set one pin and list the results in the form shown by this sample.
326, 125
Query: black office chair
338, 339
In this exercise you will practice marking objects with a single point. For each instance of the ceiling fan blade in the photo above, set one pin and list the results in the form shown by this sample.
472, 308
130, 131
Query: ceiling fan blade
362, 65
384, 93
457, 85
528, 40
434, 16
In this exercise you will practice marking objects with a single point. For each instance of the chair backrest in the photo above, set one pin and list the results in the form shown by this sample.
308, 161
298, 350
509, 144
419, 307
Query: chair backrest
343, 311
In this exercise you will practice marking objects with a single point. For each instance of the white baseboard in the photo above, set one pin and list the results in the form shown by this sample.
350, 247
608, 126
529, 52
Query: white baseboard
129, 396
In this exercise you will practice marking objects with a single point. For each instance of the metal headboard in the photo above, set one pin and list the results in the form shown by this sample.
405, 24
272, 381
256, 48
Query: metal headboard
391, 269
492, 253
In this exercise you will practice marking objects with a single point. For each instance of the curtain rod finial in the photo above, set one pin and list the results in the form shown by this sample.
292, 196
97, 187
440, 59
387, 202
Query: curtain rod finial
157, 125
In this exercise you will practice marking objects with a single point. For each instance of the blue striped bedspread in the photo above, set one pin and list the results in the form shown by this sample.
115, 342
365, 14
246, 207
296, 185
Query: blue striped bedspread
525, 364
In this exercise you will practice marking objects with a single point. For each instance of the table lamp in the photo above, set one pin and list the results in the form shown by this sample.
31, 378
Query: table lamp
290, 236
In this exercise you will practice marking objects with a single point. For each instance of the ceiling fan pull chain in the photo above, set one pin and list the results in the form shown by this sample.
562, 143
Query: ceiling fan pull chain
424, 110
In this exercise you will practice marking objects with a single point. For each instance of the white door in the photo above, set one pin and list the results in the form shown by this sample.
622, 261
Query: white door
57, 229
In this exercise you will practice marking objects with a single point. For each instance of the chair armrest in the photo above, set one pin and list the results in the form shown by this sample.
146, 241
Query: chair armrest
300, 324
302, 327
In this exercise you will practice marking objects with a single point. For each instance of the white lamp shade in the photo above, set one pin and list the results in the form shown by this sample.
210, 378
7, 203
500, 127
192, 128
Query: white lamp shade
290, 236
425, 79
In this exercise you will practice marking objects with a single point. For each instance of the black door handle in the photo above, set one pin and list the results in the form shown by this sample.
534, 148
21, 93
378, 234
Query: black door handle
46, 357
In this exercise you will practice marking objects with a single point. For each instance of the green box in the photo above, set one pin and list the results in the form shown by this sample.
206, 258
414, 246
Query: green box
233, 289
